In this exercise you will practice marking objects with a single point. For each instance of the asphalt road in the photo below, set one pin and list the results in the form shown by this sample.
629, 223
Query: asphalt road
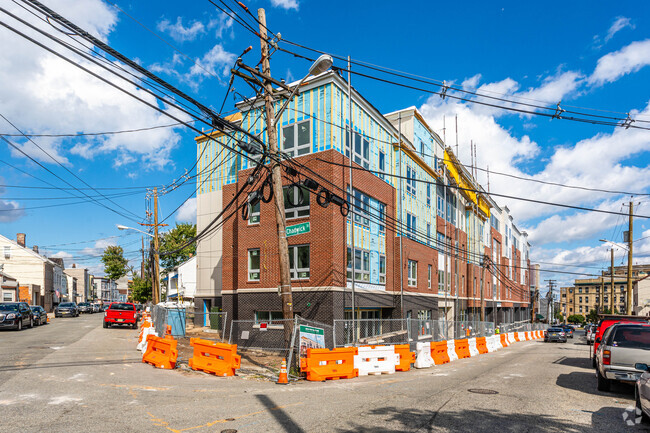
92, 380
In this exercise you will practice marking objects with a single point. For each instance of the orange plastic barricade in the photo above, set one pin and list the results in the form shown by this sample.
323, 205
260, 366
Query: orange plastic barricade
216, 358
161, 352
439, 352
504, 340
144, 325
406, 357
516, 335
481, 345
462, 348
325, 364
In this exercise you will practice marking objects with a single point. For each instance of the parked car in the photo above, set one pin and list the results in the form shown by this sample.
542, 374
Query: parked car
85, 307
555, 334
622, 346
139, 308
66, 309
121, 313
16, 315
642, 391
606, 322
40, 315
590, 332
96, 308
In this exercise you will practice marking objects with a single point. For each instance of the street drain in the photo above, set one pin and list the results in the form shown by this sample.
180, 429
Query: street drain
230, 430
483, 391
230, 419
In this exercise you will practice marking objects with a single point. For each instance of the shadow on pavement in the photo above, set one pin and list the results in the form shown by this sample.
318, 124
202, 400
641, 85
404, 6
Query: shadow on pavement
574, 362
70, 364
463, 420
626, 416
282, 418
586, 382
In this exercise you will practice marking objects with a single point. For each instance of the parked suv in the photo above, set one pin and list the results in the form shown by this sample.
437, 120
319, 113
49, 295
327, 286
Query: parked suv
606, 322
85, 307
555, 334
16, 315
621, 347
121, 313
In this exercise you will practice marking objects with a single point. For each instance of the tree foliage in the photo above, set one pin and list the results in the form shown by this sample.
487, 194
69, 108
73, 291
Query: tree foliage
592, 316
141, 289
559, 316
172, 241
115, 265
576, 318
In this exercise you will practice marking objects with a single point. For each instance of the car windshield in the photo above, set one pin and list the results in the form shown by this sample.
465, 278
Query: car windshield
35, 308
127, 307
633, 338
66, 304
85, 304
8, 307
555, 330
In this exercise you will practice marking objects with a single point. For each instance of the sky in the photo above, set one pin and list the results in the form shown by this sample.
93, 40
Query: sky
589, 57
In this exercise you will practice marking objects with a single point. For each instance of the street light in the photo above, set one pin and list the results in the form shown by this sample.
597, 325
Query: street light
611, 280
155, 277
322, 64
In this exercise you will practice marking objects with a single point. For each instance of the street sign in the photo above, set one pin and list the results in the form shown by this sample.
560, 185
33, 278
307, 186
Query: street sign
298, 229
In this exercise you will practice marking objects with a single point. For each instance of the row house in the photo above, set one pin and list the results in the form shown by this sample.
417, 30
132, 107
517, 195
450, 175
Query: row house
414, 241
42, 279
79, 284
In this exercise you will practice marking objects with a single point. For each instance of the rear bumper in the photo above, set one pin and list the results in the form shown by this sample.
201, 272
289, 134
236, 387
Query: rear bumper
623, 375
120, 321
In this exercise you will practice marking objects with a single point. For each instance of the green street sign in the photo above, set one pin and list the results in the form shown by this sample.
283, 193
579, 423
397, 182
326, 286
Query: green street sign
298, 229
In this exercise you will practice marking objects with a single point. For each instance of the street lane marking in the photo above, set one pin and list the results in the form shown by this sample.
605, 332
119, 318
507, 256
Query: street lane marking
159, 422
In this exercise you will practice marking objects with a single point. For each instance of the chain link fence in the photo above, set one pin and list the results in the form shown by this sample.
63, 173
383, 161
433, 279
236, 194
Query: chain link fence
211, 322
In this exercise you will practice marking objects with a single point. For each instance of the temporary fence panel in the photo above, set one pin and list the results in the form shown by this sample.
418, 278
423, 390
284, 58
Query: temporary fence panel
371, 331
263, 335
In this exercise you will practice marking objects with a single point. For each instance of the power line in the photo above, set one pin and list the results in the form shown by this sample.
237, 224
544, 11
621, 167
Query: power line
86, 134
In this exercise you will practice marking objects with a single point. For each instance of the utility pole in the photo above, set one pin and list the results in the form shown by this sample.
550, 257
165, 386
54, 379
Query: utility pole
142, 262
549, 298
276, 177
629, 261
600, 307
155, 286
483, 265
611, 280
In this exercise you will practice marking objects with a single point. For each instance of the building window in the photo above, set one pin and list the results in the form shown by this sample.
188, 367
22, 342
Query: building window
296, 139
428, 194
581, 308
254, 264
382, 164
382, 269
586, 289
410, 180
7, 297
411, 223
580, 290
361, 207
586, 299
441, 273
580, 299
428, 234
254, 217
299, 262
360, 151
382, 217
268, 317
413, 273
7, 251
361, 265
296, 201
429, 277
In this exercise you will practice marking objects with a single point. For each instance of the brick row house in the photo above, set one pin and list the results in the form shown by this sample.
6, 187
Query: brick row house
418, 227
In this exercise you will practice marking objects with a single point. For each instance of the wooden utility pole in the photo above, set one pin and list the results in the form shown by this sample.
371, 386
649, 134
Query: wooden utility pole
483, 265
142, 262
283, 246
155, 284
601, 302
629, 262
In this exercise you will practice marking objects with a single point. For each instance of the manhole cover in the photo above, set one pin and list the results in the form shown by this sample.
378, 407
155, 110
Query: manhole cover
483, 391
230, 419
230, 430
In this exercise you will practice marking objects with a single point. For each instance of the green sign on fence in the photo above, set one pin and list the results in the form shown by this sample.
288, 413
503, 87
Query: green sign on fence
298, 229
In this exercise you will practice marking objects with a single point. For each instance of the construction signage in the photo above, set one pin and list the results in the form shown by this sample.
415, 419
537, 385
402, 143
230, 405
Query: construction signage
311, 338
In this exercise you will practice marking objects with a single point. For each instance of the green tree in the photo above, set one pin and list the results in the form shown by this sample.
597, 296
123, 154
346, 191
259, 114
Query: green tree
171, 241
115, 265
559, 316
141, 289
576, 318
592, 316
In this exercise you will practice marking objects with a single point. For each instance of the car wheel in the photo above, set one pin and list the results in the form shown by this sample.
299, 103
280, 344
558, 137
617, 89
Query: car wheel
593, 362
604, 384
19, 327
105, 325
31, 322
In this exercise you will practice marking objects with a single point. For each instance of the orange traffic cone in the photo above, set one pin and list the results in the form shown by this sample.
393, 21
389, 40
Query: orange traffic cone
283, 379
168, 332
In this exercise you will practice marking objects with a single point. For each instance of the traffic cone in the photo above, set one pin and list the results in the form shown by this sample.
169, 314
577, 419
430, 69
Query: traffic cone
168, 332
283, 379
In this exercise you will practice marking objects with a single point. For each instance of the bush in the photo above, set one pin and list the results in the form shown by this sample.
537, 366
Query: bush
576, 318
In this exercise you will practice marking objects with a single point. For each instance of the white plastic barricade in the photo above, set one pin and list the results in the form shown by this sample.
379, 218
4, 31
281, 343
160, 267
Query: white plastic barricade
511, 337
423, 357
490, 343
142, 346
529, 335
451, 351
375, 360
473, 350
521, 336
497, 342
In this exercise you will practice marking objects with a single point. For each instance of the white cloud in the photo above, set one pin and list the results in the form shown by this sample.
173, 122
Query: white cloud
221, 24
217, 61
285, 4
62, 255
181, 33
614, 65
471, 82
187, 212
10, 211
44, 94
619, 24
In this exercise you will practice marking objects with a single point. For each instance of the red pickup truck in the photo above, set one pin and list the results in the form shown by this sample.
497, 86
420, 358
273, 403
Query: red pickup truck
121, 313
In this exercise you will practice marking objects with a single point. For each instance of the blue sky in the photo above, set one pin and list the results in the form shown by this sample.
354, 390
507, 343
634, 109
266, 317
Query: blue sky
592, 55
